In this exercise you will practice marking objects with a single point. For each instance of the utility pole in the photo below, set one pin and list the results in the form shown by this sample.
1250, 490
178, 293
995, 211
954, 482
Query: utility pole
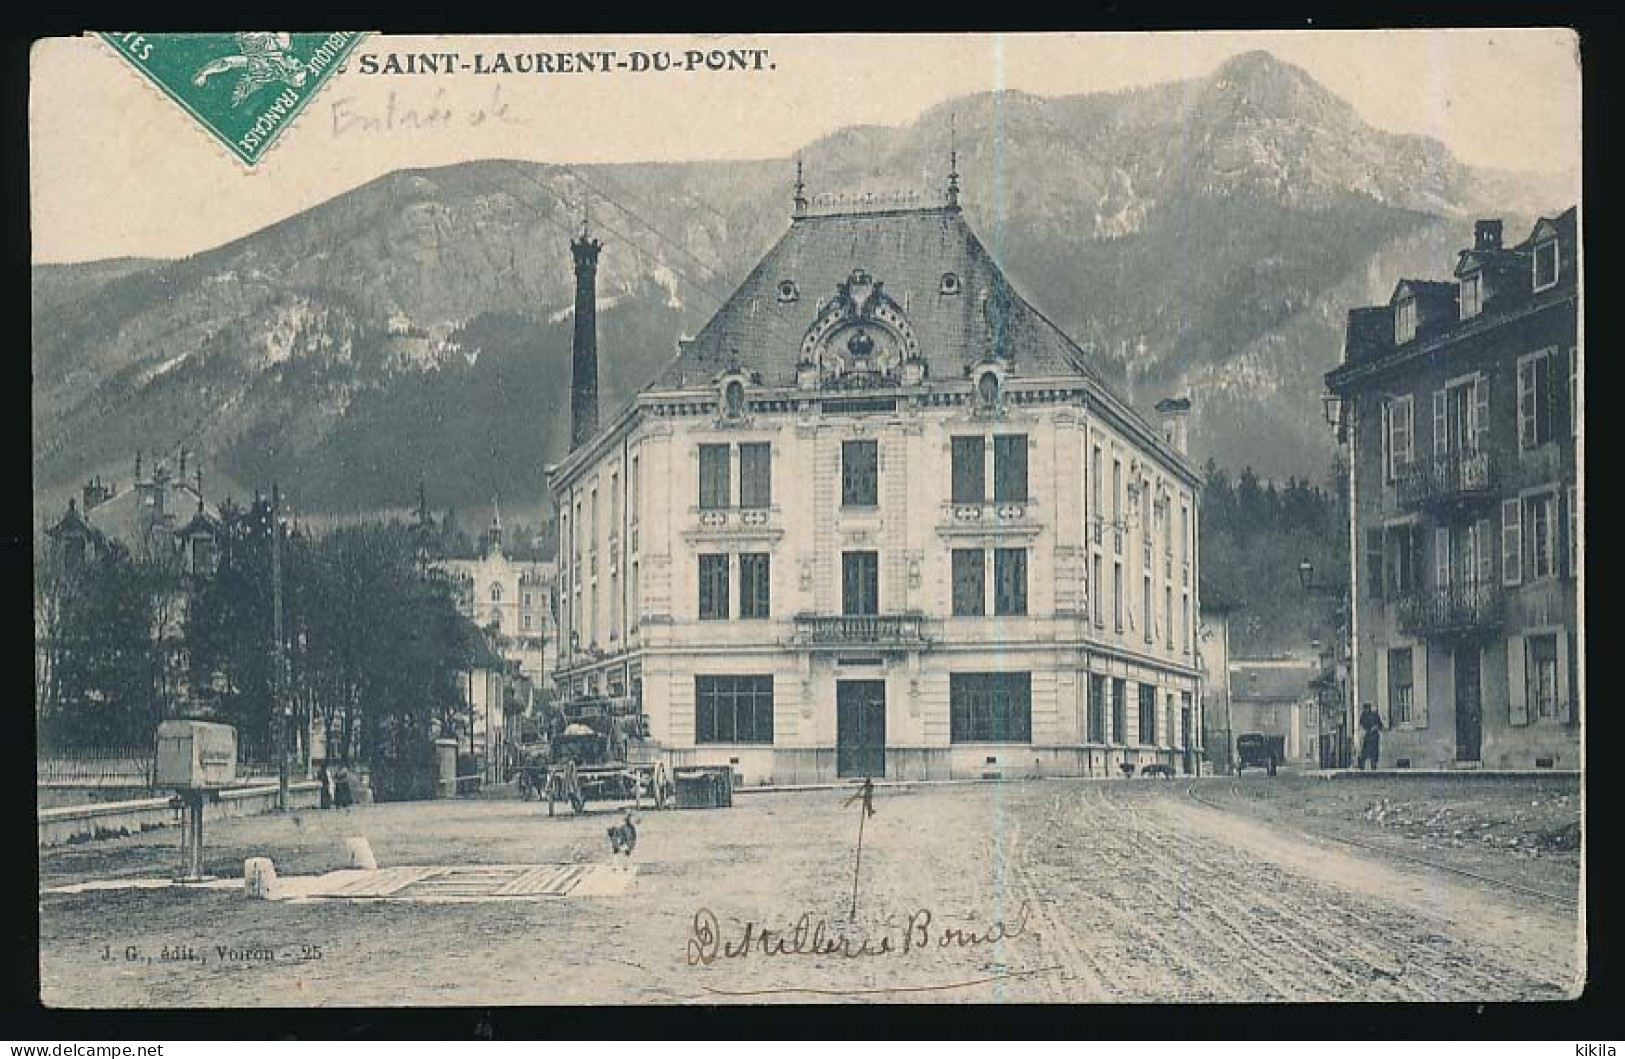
278, 694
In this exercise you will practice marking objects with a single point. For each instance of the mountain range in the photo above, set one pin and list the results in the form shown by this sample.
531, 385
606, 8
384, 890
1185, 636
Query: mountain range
1202, 236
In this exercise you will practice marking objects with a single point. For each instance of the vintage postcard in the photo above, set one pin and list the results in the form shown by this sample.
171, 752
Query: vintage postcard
957, 519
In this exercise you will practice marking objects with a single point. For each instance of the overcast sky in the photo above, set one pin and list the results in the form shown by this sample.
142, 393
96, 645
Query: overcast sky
119, 170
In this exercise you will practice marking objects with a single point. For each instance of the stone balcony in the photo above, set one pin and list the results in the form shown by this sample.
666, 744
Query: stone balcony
873, 631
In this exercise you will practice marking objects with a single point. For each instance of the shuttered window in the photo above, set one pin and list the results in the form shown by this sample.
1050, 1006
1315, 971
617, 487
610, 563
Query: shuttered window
1537, 398
1511, 542
1540, 671
1010, 467
755, 585
1540, 524
756, 475
860, 583
713, 588
1097, 591
713, 477
970, 582
969, 471
860, 473
1401, 685
1010, 581
1399, 422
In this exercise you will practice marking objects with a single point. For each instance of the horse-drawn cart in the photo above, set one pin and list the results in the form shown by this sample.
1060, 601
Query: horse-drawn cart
597, 753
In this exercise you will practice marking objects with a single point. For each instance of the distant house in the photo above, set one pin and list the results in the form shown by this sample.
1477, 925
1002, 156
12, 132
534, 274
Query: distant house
163, 520
1275, 696
507, 590
1460, 404
162, 516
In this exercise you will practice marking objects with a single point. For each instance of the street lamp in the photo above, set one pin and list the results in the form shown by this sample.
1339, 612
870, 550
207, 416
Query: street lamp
1306, 574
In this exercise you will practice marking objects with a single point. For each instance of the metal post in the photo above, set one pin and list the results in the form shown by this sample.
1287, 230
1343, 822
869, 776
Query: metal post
278, 704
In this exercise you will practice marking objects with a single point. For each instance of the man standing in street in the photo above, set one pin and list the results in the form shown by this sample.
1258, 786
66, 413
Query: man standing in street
1370, 738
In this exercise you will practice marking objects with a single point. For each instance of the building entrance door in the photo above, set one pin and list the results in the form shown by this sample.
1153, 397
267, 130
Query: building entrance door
860, 728
1469, 704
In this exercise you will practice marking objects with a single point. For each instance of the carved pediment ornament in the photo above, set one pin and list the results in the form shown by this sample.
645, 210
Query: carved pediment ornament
860, 337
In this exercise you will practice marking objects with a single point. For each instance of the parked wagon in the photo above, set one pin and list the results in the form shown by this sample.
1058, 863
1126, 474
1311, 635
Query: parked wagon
597, 752
1257, 750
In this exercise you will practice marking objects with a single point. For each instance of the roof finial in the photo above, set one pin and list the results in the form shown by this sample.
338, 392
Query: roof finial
586, 214
953, 162
801, 193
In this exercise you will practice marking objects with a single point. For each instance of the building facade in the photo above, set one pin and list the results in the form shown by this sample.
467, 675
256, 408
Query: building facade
1274, 696
508, 592
1461, 405
880, 517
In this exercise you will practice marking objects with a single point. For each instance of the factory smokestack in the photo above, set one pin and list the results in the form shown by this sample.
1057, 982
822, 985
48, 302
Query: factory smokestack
584, 358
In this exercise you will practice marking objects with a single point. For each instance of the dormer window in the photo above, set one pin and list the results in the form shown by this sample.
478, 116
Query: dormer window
949, 284
1546, 264
788, 291
1404, 321
1472, 295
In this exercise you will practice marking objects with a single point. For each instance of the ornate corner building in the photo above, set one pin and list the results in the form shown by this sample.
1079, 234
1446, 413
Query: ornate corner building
1460, 406
881, 517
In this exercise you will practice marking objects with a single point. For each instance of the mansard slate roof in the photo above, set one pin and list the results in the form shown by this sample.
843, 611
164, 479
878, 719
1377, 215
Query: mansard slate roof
1369, 337
909, 252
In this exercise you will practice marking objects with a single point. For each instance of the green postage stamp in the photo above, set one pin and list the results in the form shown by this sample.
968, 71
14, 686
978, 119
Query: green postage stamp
244, 88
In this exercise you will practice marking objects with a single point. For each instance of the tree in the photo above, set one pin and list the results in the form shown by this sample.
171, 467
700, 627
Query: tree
107, 661
383, 648
228, 632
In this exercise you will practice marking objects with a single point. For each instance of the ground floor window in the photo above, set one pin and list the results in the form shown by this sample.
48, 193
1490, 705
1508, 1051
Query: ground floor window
733, 709
1119, 710
990, 707
1097, 708
1540, 671
1148, 715
1400, 689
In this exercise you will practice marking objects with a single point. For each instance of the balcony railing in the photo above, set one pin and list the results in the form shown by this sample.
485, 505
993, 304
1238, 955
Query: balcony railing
1447, 478
1461, 608
860, 630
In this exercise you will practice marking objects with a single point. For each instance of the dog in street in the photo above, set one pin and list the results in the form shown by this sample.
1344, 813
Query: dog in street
623, 837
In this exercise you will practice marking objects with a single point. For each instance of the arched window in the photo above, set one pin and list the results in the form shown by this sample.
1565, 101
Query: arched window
496, 592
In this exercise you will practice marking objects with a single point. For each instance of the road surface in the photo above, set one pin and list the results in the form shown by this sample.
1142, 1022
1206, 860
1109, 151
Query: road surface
1047, 891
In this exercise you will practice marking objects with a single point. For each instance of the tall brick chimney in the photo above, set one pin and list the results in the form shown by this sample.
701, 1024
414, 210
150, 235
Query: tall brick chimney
584, 357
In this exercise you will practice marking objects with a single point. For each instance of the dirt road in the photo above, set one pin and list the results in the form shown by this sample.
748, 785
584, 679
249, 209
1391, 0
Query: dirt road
1043, 891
